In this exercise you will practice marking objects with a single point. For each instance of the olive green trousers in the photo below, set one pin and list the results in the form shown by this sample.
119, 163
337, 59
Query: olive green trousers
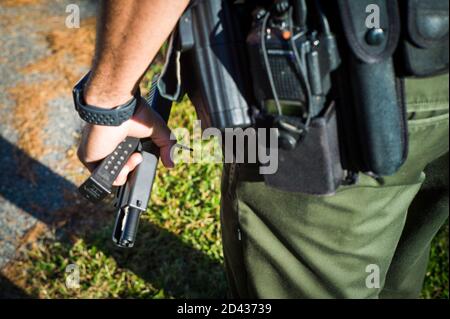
369, 240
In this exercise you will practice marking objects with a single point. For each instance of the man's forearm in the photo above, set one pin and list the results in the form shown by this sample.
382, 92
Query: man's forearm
129, 35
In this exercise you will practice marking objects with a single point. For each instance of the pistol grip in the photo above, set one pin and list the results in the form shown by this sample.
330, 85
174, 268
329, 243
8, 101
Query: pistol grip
100, 183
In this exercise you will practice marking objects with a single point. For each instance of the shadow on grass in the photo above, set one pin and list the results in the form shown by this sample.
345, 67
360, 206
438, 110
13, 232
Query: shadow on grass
159, 257
10, 291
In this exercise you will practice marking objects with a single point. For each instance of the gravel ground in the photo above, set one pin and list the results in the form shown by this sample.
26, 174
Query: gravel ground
24, 28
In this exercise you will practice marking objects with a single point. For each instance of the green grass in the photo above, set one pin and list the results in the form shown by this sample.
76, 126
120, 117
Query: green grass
436, 280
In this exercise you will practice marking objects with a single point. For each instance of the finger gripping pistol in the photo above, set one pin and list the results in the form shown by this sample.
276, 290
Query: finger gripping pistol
133, 197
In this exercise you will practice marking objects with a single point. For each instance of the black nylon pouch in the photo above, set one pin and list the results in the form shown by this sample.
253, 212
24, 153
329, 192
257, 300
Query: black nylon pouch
371, 109
314, 165
425, 44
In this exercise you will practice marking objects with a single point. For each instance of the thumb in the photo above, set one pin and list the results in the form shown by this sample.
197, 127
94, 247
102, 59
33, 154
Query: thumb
148, 123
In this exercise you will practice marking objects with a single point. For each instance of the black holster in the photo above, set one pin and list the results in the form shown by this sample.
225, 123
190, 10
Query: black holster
370, 104
208, 54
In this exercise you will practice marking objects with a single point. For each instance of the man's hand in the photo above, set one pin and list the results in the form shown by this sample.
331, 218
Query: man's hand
129, 34
99, 141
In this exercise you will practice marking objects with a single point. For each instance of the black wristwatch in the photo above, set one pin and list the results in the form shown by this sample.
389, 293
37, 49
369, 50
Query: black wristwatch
100, 116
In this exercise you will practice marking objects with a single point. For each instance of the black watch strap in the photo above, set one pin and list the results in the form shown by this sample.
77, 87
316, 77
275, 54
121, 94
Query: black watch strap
100, 116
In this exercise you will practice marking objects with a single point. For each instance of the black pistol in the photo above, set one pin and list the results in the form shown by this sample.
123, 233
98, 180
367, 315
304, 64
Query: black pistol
132, 198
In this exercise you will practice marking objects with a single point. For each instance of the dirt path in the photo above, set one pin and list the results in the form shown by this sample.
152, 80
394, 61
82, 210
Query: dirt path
40, 59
